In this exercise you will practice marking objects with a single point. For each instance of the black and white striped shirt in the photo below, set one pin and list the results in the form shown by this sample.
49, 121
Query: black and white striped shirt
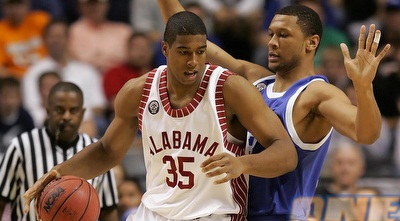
34, 153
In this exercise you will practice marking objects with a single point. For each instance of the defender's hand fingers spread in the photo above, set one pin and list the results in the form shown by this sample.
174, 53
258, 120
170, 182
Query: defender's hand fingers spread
371, 33
345, 51
383, 52
361, 38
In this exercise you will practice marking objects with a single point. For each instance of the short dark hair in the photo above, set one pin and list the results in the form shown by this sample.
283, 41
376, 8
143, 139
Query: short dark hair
183, 23
9, 82
47, 74
65, 87
135, 35
53, 22
308, 20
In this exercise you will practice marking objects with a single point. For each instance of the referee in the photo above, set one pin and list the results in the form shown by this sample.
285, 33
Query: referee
33, 153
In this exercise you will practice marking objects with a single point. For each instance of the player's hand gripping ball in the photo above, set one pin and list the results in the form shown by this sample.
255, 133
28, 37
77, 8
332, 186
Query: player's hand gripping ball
69, 198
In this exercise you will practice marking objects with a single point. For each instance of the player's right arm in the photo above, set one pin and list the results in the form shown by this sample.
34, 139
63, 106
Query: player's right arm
215, 54
101, 156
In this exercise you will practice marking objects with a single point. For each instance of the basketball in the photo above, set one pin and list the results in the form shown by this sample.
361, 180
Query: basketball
69, 198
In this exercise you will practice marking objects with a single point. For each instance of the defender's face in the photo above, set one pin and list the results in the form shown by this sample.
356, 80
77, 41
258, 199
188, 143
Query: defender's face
65, 114
286, 43
186, 59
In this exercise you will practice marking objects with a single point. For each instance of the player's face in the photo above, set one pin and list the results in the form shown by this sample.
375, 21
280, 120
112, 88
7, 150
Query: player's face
286, 43
186, 59
65, 113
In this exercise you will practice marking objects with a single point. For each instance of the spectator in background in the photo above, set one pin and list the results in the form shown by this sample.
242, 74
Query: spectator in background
53, 7
332, 66
14, 119
129, 197
55, 37
237, 24
347, 166
45, 82
146, 18
331, 36
195, 7
20, 40
140, 60
96, 40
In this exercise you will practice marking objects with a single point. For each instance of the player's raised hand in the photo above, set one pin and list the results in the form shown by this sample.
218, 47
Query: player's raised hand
362, 69
223, 163
34, 191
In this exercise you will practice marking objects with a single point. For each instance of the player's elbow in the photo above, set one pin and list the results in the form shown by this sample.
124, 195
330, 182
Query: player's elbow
370, 137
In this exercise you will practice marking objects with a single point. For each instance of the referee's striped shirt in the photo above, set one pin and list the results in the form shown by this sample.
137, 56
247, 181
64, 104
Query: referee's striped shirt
31, 155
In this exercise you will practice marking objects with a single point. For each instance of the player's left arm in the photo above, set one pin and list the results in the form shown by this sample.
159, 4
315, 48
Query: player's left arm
361, 123
279, 156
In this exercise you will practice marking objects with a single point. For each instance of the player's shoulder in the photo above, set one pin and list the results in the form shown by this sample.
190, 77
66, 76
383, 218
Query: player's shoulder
320, 90
319, 86
135, 84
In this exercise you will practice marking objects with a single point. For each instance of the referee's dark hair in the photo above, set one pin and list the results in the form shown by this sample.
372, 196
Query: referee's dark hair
65, 87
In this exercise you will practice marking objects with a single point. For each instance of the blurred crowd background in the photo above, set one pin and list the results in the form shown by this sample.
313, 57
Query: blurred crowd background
101, 44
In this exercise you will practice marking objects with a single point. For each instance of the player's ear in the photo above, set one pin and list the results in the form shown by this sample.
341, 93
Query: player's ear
164, 48
312, 43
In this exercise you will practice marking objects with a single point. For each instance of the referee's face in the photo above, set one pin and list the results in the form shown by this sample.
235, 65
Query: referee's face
65, 113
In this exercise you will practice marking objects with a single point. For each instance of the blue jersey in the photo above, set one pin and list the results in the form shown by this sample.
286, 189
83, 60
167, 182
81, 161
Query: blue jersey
289, 195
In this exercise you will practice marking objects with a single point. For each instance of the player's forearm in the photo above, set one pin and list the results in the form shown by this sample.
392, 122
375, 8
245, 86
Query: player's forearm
368, 121
169, 7
248, 70
276, 160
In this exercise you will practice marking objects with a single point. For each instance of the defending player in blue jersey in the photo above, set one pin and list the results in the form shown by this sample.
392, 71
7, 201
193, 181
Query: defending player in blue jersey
306, 103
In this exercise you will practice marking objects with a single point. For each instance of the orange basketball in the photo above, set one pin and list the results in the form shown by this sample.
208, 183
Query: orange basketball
69, 198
